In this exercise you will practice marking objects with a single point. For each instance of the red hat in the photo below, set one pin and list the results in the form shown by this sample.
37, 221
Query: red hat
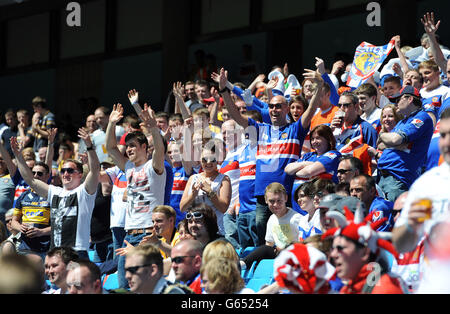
212, 99
362, 232
303, 269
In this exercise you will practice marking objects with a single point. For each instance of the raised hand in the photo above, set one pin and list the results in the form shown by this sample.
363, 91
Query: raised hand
133, 96
313, 75
85, 136
52, 135
320, 65
429, 23
178, 89
15, 146
124, 250
148, 117
223, 78
337, 66
116, 114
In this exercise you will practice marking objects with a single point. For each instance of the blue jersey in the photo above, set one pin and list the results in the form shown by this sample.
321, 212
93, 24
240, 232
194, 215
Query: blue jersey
277, 147
382, 209
180, 179
169, 183
247, 168
433, 101
404, 163
361, 132
330, 160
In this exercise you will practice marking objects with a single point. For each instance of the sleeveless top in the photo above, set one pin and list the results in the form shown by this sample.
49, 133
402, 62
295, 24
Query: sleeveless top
202, 198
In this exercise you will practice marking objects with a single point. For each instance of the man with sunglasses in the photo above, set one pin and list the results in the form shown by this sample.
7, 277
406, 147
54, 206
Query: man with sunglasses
72, 204
32, 216
279, 143
355, 131
144, 272
405, 147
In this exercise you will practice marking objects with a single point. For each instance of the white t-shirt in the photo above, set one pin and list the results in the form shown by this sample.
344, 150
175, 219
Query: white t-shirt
70, 214
145, 191
283, 231
374, 116
118, 206
311, 227
98, 138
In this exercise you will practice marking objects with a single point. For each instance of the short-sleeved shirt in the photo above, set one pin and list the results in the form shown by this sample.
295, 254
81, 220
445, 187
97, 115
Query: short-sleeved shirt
118, 206
34, 210
7, 189
277, 147
360, 132
247, 169
323, 116
70, 216
45, 123
382, 209
404, 163
283, 231
180, 179
145, 191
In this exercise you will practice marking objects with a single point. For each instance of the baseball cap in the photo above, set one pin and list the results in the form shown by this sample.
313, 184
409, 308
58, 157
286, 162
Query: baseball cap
196, 106
212, 99
407, 90
330, 201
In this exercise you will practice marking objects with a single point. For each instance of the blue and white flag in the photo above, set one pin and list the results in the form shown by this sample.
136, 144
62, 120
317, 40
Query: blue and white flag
368, 59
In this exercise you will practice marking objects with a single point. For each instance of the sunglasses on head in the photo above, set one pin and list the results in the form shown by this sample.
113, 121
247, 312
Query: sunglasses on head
134, 269
207, 160
180, 259
38, 173
194, 215
68, 170
276, 106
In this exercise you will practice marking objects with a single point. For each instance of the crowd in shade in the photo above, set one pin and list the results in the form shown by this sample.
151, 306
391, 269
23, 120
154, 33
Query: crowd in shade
339, 187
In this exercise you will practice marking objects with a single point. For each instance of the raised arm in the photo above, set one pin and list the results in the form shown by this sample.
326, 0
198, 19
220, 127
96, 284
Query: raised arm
91, 182
229, 103
149, 127
50, 148
133, 97
213, 119
12, 168
178, 94
111, 142
431, 28
403, 63
315, 100
40, 187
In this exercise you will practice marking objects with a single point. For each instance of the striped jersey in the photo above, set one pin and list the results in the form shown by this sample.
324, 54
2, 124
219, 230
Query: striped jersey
277, 147
180, 179
247, 169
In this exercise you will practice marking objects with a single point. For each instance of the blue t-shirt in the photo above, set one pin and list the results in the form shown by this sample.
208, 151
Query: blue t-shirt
382, 209
404, 163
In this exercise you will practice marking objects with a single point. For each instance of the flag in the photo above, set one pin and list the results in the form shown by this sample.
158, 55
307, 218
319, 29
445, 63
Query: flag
368, 59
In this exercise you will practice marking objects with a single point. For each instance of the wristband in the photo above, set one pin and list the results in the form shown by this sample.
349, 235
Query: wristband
226, 89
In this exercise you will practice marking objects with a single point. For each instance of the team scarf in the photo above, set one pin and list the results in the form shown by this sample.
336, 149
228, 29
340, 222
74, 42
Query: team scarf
368, 59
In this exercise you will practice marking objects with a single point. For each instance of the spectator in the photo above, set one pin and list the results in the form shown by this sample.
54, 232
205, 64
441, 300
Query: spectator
209, 187
221, 275
144, 272
269, 166
202, 223
415, 220
56, 262
363, 187
83, 277
12, 130
282, 226
32, 217
398, 167
367, 95
7, 189
19, 275
71, 206
25, 132
186, 262
42, 121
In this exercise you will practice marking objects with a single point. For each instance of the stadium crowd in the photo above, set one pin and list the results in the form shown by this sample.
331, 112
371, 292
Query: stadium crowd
343, 189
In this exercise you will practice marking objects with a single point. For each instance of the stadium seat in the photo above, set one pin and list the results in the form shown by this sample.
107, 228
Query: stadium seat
257, 283
264, 269
111, 282
247, 274
91, 254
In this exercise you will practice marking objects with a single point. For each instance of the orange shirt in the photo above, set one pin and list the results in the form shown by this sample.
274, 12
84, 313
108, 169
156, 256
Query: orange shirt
323, 117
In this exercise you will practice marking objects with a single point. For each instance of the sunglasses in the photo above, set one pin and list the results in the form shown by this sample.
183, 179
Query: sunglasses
180, 259
38, 173
134, 269
68, 170
346, 105
207, 160
344, 171
276, 106
194, 215
339, 248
